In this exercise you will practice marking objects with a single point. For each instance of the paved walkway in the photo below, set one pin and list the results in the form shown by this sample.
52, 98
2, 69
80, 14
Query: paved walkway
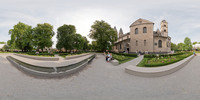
61, 62
101, 81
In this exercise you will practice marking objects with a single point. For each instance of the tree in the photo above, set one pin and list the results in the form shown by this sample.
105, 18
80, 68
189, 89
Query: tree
104, 35
2, 42
187, 44
65, 37
94, 46
85, 44
180, 46
78, 42
173, 46
195, 43
42, 36
21, 37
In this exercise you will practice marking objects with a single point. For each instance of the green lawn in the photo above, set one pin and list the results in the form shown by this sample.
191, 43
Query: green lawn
162, 60
122, 58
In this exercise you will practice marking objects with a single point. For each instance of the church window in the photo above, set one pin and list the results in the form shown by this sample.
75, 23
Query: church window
164, 25
165, 31
136, 31
145, 42
160, 43
136, 42
145, 30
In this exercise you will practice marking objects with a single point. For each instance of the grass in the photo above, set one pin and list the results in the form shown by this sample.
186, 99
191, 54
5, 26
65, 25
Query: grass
163, 60
122, 58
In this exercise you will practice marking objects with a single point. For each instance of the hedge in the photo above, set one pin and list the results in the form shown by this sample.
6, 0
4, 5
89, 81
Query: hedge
125, 54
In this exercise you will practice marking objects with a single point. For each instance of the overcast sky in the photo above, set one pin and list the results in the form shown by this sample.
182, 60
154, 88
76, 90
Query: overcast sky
183, 16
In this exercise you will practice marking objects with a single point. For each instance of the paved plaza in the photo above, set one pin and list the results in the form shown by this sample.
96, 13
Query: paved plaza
101, 81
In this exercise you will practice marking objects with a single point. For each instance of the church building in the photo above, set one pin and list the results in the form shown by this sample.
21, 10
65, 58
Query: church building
143, 38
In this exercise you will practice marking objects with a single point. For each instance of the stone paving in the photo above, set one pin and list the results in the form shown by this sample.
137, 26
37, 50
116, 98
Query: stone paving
101, 81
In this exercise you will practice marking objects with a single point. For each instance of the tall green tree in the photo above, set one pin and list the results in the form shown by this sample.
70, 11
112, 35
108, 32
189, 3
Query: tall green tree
65, 37
85, 44
173, 46
187, 44
21, 37
103, 34
78, 42
180, 46
42, 36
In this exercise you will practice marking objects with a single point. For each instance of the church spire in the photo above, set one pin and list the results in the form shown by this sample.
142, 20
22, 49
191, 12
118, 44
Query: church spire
120, 32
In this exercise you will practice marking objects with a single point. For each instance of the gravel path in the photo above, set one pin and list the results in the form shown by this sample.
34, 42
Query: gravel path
101, 81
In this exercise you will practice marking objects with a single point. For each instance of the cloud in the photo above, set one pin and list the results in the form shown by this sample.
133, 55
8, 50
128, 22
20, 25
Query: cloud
182, 15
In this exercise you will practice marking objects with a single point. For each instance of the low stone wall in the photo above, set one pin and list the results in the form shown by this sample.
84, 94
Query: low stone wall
157, 71
38, 58
49, 75
76, 56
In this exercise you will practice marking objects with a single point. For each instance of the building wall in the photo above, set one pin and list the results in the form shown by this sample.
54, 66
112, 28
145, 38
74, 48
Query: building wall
140, 37
164, 48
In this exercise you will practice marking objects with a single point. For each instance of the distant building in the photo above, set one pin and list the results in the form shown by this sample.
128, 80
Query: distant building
196, 46
143, 38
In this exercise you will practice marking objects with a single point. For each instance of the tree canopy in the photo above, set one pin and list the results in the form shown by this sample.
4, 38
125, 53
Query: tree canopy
187, 44
21, 37
42, 35
65, 36
68, 39
103, 34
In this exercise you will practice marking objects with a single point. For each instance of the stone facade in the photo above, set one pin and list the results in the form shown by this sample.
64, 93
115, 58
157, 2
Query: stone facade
143, 38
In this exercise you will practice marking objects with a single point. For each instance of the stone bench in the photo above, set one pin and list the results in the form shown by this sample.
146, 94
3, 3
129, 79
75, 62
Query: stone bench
115, 62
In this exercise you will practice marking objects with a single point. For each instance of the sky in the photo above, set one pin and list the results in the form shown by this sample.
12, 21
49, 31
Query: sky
183, 16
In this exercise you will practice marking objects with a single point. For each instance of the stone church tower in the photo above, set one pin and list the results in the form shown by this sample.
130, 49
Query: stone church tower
164, 28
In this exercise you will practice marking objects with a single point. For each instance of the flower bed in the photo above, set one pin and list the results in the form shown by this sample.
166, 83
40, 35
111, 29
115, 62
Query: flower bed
161, 60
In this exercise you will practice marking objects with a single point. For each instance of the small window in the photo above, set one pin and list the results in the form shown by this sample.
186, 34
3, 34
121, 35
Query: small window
120, 46
136, 43
165, 26
165, 31
145, 30
116, 46
167, 44
136, 31
160, 43
145, 42
155, 43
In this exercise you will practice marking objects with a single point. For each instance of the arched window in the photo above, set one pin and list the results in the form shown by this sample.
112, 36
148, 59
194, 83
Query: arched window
145, 30
145, 42
136, 31
136, 43
165, 31
160, 43
165, 26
